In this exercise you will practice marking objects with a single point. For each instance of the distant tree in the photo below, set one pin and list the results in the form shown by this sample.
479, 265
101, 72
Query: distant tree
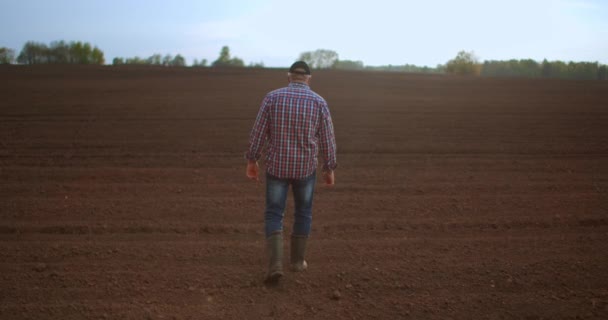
76, 50
237, 62
348, 65
81, 53
559, 69
545, 69
33, 53
7, 56
167, 60
97, 56
413, 68
464, 63
155, 59
320, 58
201, 63
86, 54
602, 72
256, 64
135, 60
583, 70
529, 68
59, 52
512, 68
224, 60
410, 68
178, 61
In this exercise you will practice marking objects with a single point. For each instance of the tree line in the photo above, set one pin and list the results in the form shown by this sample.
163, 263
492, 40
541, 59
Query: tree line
328, 59
465, 63
58, 52
545, 69
156, 60
225, 60
77, 52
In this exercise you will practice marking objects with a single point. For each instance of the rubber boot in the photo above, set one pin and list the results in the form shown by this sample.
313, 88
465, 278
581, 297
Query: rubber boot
274, 250
298, 249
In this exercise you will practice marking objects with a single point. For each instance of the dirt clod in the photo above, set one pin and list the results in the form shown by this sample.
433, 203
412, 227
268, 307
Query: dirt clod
40, 267
336, 295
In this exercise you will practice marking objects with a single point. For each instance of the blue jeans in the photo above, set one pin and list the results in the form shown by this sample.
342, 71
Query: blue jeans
276, 196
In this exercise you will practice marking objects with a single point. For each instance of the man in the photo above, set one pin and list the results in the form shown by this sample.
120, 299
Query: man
295, 123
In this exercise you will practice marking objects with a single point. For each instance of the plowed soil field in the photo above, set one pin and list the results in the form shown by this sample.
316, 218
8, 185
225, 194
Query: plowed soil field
123, 196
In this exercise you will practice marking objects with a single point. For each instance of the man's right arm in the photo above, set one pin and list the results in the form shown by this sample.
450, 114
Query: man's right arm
327, 143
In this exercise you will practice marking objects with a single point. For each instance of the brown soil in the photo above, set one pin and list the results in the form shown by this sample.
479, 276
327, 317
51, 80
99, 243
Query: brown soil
123, 196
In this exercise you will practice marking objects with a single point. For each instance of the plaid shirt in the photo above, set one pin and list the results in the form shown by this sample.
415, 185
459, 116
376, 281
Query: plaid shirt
296, 122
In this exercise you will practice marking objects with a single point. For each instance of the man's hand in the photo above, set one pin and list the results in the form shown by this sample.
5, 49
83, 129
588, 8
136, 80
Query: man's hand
328, 178
253, 170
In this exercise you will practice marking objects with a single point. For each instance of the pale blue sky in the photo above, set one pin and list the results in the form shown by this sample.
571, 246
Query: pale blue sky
378, 32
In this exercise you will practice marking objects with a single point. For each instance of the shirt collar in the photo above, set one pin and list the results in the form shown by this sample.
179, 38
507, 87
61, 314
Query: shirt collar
298, 84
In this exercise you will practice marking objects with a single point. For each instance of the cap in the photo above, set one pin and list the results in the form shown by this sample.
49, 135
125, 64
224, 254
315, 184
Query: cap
299, 67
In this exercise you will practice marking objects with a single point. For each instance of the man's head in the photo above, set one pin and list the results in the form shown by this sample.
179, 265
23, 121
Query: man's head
299, 72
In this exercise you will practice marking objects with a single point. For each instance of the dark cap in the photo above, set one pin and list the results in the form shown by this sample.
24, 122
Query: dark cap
299, 67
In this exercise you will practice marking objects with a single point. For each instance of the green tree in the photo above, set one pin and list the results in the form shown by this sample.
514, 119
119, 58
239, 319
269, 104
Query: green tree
237, 62
320, 58
224, 60
559, 69
59, 52
546, 69
33, 53
85, 53
511, 68
583, 70
256, 64
201, 63
178, 61
7, 56
135, 60
167, 60
155, 59
76, 52
602, 72
464, 63
97, 56
118, 61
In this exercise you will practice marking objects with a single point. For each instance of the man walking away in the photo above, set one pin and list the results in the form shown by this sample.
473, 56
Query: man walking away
295, 123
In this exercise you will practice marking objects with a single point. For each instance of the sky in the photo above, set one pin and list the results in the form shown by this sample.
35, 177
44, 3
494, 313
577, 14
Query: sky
275, 32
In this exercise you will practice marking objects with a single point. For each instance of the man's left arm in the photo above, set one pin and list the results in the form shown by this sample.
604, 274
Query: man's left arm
257, 139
